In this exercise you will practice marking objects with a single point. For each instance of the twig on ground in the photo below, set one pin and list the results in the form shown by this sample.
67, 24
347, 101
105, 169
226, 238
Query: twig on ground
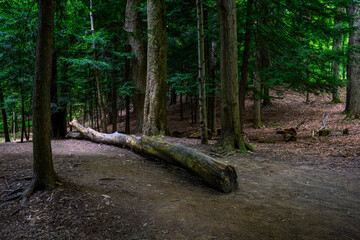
109, 178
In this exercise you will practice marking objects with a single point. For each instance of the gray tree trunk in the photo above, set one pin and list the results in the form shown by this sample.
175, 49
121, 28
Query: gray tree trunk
201, 76
155, 116
231, 136
354, 70
138, 48
217, 174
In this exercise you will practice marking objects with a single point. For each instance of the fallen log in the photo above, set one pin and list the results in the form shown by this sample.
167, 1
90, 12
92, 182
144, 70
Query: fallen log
215, 173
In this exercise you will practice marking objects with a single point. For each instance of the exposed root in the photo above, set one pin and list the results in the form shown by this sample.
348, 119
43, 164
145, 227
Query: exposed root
28, 192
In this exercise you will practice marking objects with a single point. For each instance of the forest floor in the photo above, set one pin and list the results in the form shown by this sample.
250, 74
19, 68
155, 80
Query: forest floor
308, 189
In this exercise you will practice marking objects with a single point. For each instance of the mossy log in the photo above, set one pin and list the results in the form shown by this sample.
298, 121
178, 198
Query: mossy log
215, 173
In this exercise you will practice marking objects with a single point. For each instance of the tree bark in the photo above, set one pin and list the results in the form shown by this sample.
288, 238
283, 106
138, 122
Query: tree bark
217, 174
96, 73
245, 63
211, 113
335, 65
354, 68
138, 48
155, 116
231, 136
201, 76
4, 117
257, 123
44, 176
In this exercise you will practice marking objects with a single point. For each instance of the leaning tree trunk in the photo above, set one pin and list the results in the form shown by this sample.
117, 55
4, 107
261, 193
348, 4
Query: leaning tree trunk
217, 174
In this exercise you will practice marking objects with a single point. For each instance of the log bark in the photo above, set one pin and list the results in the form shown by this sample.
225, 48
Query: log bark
216, 174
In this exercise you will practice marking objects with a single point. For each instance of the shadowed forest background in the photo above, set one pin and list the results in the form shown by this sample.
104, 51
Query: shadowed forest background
269, 91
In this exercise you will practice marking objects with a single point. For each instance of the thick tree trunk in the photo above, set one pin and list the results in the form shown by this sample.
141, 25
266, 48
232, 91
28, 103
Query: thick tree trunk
138, 48
217, 174
44, 176
201, 76
231, 136
353, 68
4, 117
245, 63
155, 116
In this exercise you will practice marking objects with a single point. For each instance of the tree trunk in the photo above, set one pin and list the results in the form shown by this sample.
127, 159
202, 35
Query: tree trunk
231, 136
96, 73
155, 116
354, 68
201, 76
4, 117
44, 176
245, 63
138, 48
211, 113
114, 110
23, 125
217, 174
335, 65
257, 123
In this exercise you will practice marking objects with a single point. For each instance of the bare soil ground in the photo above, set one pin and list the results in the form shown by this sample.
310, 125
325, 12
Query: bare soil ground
308, 189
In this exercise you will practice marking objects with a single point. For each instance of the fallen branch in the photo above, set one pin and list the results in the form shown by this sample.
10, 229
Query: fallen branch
217, 174
109, 179
324, 122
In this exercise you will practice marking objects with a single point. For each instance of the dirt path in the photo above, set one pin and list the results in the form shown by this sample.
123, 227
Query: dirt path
280, 196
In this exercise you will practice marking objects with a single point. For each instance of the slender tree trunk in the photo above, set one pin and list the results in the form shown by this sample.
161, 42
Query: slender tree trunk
14, 126
29, 131
127, 97
155, 116
257, 123
245, 63
212, 97
231, 136
23, 126
4, 117
70, 113
181, 107
201, 76
114, 109
335, 65
96, 73
354, 69
44, 176
138, 48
